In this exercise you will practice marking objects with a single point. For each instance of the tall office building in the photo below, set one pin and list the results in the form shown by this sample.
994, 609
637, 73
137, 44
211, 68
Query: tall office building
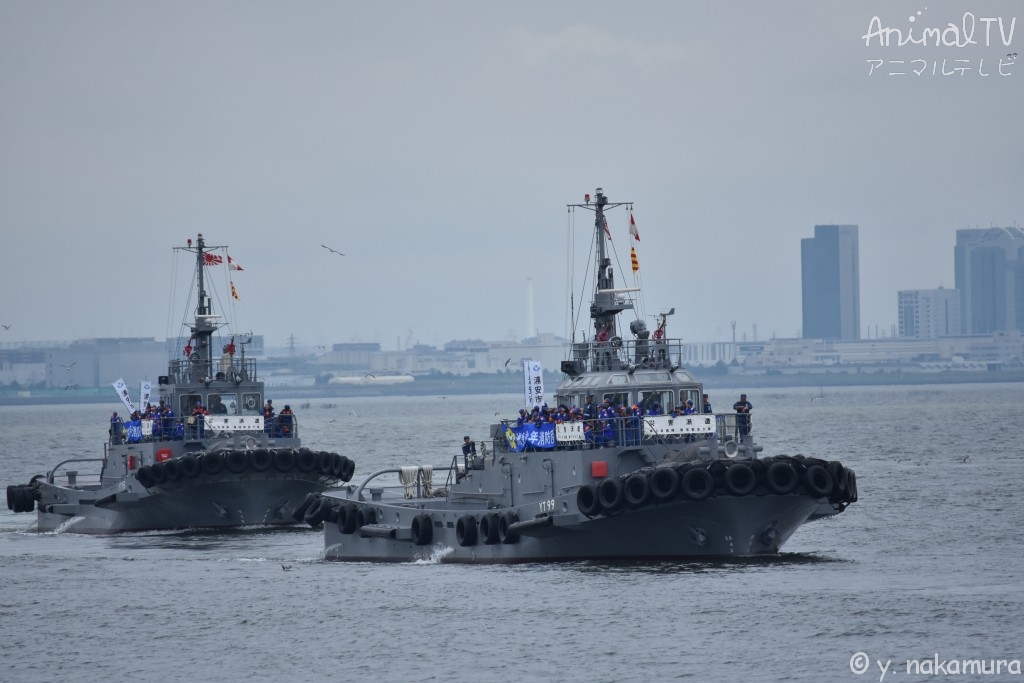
989, 265
830, 276
929, 313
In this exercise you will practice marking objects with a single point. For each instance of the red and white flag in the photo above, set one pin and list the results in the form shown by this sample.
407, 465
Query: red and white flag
233, 264
632, 227
212, 259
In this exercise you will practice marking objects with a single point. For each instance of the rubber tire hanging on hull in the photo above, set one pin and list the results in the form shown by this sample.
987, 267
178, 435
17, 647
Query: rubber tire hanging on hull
348, 518
213, 462
586, 500
260, 460
489, 528
465, 530
505, 521
664, 484
422, 529
284, 460
637, 490
740, 479
817, 482
611, 495
697, 484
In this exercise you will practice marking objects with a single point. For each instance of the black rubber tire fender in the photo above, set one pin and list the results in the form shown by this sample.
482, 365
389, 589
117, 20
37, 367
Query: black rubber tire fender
489, 528
145, 476
189, 467
637, 490
611, 495
284, 460
664, 484
422, 529
817, 482
260, 460
465, 530
740, 479
697, 484
586, 500
236, 461
505, 522
305, 460
781, 478
348, 518
213, 462
299, 513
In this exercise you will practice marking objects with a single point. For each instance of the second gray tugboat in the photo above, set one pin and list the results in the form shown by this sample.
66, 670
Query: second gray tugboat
643, 479
211, 455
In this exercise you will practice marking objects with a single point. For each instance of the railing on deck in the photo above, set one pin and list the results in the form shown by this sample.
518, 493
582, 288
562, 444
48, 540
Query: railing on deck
624, 354
227, 369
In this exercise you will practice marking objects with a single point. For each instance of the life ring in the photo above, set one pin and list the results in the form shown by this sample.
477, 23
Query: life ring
664, 484
489, 528
236, 462
250, 403
781, 478
348, 518
697, 484
637, 490
260, 460
317, 512
422, 529
144, 476
299, 513
586, 500
465, 530
213, 462
817, 482
305, 460
189, 467
740, 479
505, 522
284, 460
611, 495
365, 515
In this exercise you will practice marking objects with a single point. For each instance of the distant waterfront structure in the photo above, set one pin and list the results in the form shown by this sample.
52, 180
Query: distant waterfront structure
989, 265
928, 313
830, 281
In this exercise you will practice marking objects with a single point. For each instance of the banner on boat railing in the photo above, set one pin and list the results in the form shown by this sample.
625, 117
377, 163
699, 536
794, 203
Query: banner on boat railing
530, 435
122, 391
533, 376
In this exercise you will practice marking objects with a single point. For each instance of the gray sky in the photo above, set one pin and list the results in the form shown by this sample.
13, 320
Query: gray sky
437, 143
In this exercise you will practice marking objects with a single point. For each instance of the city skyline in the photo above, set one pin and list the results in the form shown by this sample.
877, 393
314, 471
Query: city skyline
438, 149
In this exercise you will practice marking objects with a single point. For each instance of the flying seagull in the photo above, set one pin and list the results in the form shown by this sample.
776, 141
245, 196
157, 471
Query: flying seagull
332, 250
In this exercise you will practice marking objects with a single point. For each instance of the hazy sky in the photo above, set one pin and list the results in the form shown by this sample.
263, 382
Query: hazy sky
437, 143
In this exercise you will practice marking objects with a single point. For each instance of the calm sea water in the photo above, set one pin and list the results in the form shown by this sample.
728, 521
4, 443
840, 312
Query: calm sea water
929, 562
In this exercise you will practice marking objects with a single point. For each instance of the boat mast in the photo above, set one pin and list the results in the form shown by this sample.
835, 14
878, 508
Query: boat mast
606, 305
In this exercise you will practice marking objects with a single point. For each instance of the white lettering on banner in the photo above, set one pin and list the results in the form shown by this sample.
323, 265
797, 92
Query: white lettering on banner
533, 377
569, 432
234, 423
668, 425
122, 392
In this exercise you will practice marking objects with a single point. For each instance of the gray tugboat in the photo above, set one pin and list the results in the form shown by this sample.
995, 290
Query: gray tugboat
640, 479
213, 458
